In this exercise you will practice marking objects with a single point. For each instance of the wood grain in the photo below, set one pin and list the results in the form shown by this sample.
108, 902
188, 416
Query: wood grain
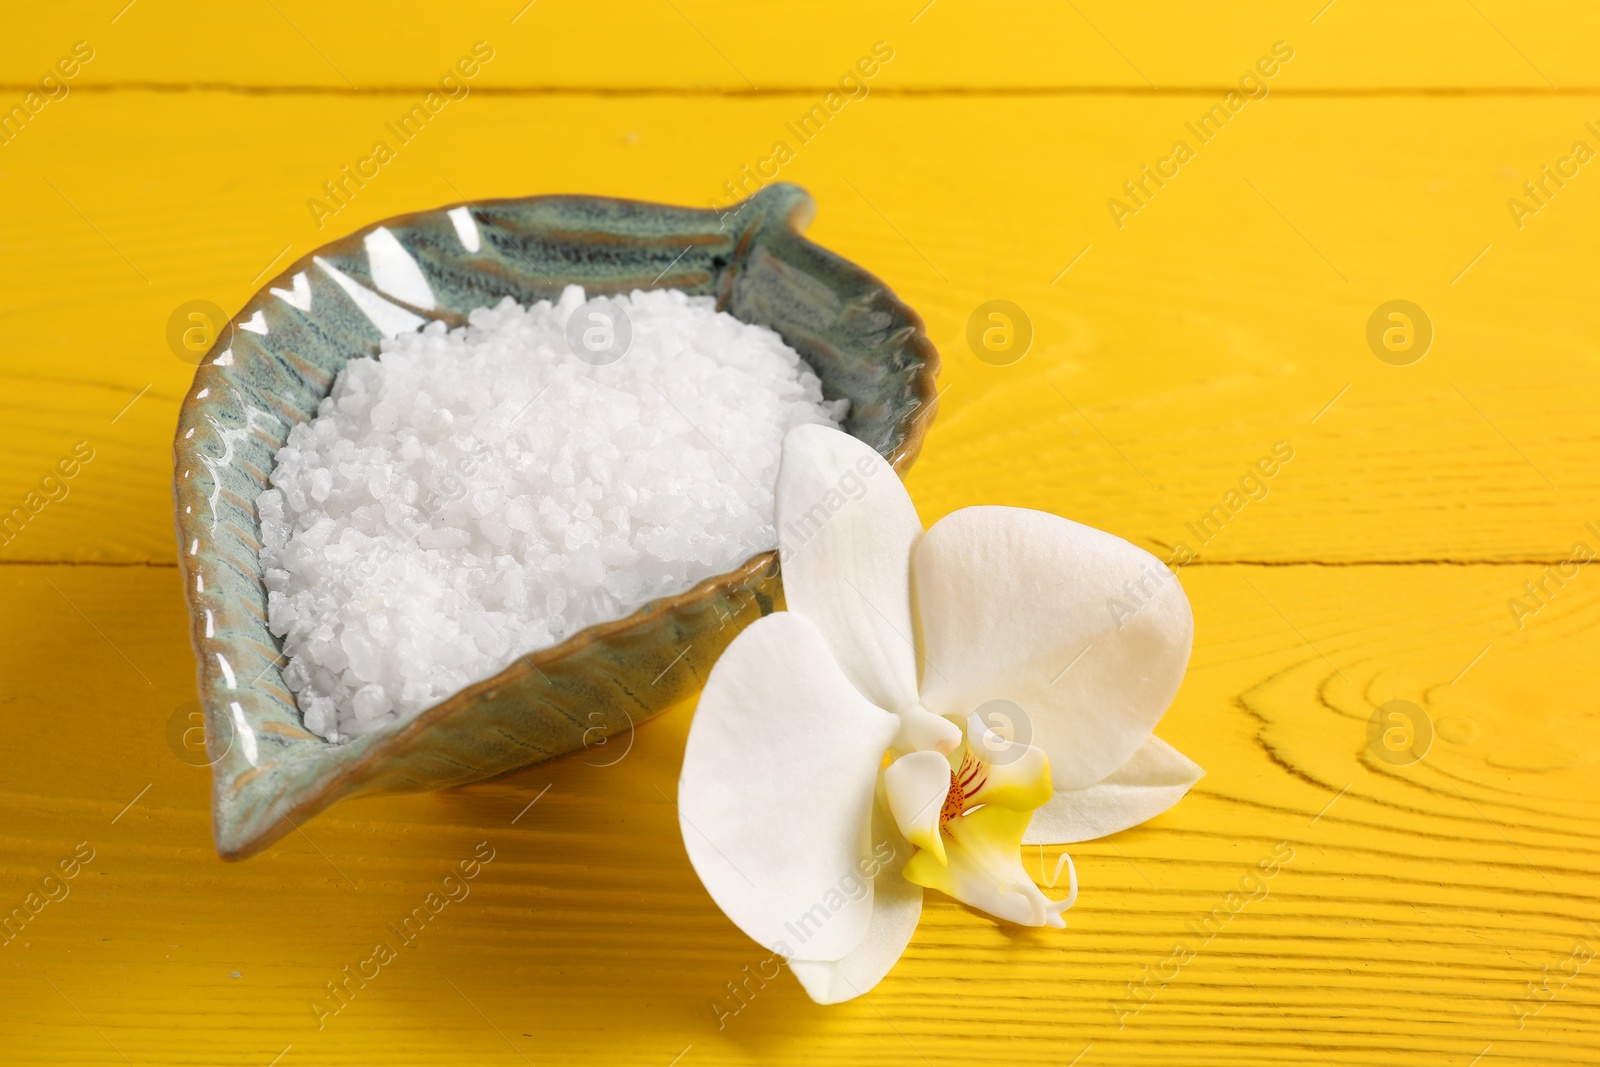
1405, 927
1166, 362
723, 46
1425, 911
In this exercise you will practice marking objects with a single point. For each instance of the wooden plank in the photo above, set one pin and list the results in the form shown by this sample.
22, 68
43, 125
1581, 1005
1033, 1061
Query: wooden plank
1170, 355
1418, 903
726, 46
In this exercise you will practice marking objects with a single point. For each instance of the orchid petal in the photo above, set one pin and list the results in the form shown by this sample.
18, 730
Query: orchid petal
1153, 780
916, 786
1085, 633
846, 528
896, 909
776, 794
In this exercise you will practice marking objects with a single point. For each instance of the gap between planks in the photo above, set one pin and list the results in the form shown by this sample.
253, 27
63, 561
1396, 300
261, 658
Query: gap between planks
935, 91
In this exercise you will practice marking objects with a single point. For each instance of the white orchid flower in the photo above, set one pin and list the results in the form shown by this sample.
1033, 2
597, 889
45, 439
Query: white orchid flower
841, 758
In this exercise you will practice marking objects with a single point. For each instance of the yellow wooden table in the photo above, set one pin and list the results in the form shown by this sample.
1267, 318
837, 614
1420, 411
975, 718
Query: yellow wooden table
1441, 911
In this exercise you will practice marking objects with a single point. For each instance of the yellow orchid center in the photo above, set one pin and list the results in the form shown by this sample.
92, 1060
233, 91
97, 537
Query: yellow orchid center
967, 780
968, 823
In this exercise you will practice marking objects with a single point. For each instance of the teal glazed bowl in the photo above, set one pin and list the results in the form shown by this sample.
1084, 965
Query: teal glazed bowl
277, 359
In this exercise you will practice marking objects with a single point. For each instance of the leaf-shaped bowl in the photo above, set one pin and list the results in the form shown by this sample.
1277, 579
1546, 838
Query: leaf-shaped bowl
277, 359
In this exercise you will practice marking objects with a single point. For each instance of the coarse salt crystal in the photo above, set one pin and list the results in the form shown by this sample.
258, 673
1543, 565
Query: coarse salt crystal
475, 494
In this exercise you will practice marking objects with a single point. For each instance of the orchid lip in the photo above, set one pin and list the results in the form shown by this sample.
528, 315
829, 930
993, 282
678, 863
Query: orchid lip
967, 823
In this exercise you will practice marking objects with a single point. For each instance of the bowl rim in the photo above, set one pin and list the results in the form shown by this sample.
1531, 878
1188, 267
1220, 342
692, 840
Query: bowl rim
796, 210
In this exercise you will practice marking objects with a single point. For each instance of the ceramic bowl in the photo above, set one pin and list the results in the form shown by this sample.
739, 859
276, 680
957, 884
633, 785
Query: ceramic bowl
277, 360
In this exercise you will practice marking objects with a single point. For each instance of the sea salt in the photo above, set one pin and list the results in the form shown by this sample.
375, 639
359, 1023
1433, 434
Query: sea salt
475, 494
